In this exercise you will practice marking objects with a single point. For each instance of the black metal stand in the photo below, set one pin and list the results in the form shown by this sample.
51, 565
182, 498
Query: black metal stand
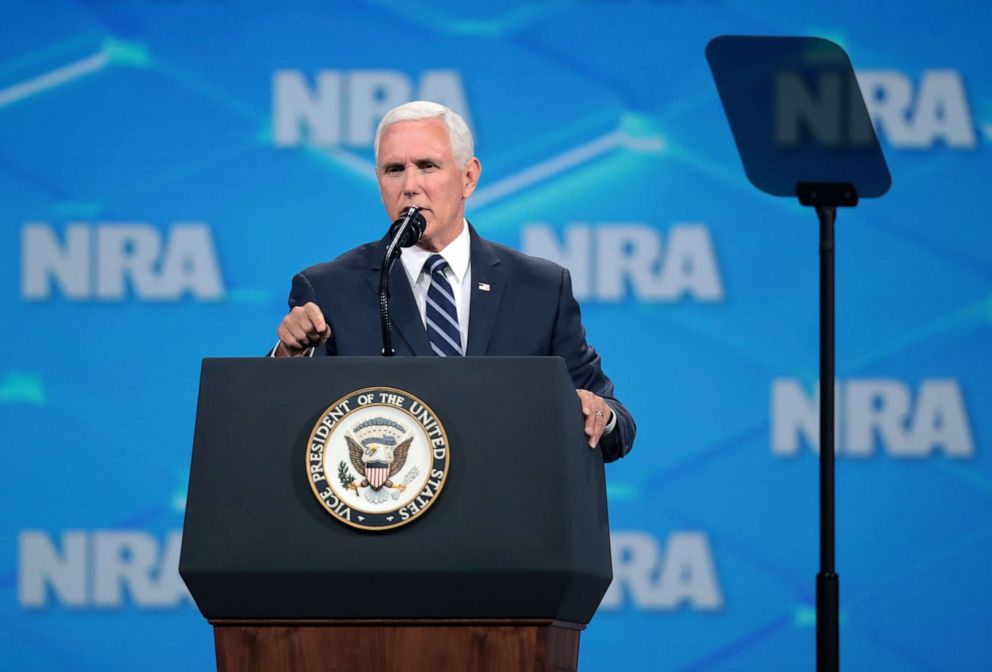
384, 322
827, 584
826, 198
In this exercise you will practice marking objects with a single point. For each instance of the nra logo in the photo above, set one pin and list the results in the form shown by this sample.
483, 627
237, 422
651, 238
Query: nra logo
609, 261
649, 575
106, 568
340, 107
875, 414
908, 114
100, 262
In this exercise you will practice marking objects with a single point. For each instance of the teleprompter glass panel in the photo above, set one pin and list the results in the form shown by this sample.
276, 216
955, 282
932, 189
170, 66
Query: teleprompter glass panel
797, 114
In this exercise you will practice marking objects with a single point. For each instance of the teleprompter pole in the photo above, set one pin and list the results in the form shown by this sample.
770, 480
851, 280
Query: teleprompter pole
827, 584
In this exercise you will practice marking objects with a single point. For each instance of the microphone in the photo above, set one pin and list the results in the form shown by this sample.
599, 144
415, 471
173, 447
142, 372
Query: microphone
408, 229
404, 232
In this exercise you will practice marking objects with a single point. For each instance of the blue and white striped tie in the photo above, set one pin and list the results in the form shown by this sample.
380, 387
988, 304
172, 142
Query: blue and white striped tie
442, 316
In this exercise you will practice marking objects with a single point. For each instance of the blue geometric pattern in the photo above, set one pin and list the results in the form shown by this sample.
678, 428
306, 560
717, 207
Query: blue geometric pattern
141, 139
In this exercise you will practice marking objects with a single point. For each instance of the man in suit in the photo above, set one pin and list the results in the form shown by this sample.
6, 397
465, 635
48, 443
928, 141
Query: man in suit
454, 293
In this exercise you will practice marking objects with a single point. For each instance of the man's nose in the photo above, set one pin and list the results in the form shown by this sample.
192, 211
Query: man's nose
411, 181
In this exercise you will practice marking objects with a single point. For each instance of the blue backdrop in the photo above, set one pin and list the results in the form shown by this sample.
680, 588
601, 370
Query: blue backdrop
167, 165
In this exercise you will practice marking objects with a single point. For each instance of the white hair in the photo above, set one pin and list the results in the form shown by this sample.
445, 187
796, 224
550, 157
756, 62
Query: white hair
462, 144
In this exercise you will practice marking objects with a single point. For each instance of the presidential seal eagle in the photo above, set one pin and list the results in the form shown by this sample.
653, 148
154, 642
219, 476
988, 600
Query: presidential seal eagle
378, 452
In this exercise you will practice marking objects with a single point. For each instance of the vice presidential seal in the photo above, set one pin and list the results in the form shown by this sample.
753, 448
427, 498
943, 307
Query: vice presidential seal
377, 458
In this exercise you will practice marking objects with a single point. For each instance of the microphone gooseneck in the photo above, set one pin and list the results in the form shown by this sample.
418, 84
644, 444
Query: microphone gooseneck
404, 232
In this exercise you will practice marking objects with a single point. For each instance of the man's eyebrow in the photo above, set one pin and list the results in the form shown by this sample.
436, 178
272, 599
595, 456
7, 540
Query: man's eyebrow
420, 161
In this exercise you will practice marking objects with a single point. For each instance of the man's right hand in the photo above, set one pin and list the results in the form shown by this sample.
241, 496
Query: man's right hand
304, 327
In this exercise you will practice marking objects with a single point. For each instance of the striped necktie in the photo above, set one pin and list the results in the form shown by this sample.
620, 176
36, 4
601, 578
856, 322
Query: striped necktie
442, 316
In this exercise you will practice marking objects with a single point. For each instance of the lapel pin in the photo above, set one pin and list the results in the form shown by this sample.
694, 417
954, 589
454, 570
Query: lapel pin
484, 287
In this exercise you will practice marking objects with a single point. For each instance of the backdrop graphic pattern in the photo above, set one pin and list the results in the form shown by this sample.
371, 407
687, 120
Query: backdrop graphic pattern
592, 117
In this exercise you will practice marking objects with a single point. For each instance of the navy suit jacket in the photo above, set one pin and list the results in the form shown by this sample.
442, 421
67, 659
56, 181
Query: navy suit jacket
528, 310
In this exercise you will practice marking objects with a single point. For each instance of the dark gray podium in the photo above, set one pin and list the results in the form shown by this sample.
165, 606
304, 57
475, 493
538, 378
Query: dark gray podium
501, 573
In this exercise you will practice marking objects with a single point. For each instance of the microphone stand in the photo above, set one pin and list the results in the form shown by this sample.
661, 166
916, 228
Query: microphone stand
408, 230
387, 339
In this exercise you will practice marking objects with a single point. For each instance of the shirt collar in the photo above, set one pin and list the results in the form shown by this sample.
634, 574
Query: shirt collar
457, 255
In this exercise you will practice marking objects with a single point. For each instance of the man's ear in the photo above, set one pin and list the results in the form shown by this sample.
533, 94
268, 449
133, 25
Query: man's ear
470, 176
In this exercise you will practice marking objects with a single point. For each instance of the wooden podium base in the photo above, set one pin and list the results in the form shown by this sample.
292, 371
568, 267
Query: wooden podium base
384, 646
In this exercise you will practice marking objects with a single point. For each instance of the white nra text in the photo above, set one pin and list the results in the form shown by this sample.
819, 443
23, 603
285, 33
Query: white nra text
875, 414
106, 568
607, 261
649, 577
342, 108
936, 111
98, 262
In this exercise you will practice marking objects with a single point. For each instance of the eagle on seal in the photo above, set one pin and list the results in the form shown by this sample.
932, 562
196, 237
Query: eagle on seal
378, 462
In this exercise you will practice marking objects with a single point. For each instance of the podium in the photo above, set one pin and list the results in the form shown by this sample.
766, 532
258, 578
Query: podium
501, 572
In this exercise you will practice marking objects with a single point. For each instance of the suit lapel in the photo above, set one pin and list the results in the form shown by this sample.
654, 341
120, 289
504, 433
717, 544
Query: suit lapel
403, 312
488, 283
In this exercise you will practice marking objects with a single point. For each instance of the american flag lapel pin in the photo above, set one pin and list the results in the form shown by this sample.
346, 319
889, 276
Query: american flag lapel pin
485, 287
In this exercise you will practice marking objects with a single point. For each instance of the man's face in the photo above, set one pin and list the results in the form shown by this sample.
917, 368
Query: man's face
416, 167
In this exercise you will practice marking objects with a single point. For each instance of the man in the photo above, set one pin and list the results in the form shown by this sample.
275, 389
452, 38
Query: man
454, 293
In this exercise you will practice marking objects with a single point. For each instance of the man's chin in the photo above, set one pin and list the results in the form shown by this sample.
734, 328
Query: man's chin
430, 240
426, 243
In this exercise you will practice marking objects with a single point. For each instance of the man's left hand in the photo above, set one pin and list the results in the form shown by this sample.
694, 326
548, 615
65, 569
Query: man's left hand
597, 414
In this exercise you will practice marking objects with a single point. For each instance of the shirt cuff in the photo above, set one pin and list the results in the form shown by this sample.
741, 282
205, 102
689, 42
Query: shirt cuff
612, 424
